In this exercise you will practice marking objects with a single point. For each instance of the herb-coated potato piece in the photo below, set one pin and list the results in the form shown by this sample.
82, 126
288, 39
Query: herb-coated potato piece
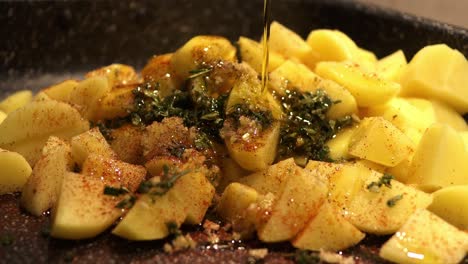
148, 219
201, 51
392, 66
159, 71
234, 207
367, 88
82, 209
426, 238
27, 129
439, 160
15, 101
382, 205
409, 119
43, 187
61, 91
303, 194
438, 72
292, 75
450, 204
87, 95
440, 112
116, 74
328, 230
14, 173
257, 152
289, 44
252, 53
338, 146
91, 141
380, 141
271, 179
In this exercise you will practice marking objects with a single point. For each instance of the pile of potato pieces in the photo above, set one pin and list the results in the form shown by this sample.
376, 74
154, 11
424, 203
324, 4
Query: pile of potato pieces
410, 127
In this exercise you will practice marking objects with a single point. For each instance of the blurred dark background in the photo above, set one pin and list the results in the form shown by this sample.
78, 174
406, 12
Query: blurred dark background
44, 42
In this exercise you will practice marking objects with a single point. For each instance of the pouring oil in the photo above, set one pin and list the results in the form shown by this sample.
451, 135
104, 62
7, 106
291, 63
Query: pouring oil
265, 40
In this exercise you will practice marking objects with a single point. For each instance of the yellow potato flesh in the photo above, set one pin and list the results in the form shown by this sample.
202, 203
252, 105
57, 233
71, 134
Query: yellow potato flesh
328, 230
252, 53
438, 72
367, 88
15, 101
14, 172
392, 66
439, 160
380, 141
426, 238
450, 204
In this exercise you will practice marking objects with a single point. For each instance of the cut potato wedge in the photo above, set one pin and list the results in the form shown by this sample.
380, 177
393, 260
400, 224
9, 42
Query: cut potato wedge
27, 129
14, 173
43, 187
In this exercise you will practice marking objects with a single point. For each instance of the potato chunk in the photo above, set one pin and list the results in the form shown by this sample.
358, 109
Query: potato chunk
384, 209
380, 141
425, 238
438, 72
301, 198
392, 66
252, 53
367, 88
450, 204
328, 230
91, 141
14, 172
43, 187
149, 218
82, 209
15, 101
27, 129
439, 160
199, 52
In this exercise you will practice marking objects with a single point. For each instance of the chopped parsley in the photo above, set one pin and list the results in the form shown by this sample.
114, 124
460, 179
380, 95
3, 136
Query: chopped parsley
112, 191
392, 201
127, 202
162, 187
306, 128
385, 180
195, 106
173, 228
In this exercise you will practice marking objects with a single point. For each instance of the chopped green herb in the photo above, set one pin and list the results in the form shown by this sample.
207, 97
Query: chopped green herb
112, 191
306, 128
177, 151
202, 141
392, 201
173, 228
162, 187
126, 203
6, 240
384, 180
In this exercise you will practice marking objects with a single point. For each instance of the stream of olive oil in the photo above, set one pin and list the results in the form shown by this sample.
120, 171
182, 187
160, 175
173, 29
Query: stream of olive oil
265, 44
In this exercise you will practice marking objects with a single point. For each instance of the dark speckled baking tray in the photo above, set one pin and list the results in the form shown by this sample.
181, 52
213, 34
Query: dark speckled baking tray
45, 42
